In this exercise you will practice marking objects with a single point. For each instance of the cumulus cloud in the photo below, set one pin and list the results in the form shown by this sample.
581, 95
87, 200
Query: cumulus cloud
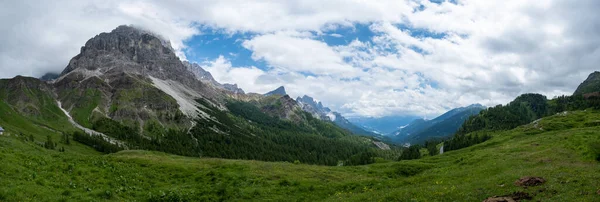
246, 77
472, 51
289, 53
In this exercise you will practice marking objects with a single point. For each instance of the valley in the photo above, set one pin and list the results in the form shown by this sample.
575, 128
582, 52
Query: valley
565, 157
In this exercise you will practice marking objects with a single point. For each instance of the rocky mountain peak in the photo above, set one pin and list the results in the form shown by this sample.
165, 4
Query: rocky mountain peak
200, 73
309, 104
278, 91
233, 88
130, 50
595, 75
590, 85
207, 78
49, 76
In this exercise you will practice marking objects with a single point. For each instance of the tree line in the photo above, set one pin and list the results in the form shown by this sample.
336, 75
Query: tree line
245, 132
523, 110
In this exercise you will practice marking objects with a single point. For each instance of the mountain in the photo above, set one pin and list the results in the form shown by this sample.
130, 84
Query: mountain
342, 122
282, 107
134, 77
278, 91
28, 105
49, 76
207, 78
590, 85
443, 126
127, 89
412, 128
524, 109
382, 125
317, 110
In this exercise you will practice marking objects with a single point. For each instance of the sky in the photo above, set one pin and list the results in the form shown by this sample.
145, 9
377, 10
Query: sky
361, 58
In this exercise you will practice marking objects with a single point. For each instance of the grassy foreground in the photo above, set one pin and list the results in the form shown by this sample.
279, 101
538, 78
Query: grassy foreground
563, 149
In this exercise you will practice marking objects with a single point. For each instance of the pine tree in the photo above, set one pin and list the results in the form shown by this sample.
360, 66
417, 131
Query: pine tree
49, 144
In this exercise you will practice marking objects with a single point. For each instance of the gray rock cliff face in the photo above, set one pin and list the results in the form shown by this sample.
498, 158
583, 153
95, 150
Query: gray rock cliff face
207, 78
115, 76
309, 105
130, 50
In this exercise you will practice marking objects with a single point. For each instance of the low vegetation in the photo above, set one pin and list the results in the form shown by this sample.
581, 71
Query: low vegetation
244, 133
562, 149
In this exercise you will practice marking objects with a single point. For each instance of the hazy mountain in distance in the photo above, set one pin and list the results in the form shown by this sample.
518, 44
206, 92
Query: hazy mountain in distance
442, 126
382, 125
317, 110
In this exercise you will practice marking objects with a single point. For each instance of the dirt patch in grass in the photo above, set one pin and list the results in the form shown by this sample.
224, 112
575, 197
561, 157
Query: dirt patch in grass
530, 181
514, 197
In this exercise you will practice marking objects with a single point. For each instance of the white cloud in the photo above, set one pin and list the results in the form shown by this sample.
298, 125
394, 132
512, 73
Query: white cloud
246, 77
289, 53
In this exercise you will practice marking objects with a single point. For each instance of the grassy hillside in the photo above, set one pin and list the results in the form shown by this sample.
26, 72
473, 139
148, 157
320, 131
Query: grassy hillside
36, 130
27, 102
564, 149
590, 85
419, 131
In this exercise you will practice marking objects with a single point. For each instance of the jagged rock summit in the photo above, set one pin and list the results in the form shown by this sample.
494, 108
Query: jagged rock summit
207, 78
132, 76
278, 91
130, 50
317, 110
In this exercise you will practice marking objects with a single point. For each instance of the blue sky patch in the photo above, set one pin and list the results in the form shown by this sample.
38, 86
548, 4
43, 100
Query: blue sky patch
345, 35
209, 45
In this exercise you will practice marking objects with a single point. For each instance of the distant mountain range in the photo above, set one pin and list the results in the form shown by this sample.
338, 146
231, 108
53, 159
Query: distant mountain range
382, 125
420, 130
317, 109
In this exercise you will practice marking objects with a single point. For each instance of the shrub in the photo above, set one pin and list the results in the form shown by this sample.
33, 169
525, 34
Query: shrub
595, 149
412, 152
49, 144
406, 170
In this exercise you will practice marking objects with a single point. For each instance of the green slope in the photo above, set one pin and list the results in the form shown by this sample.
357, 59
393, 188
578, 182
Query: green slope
129, 99
28, 101
590, 85
563, 149
246, 132
419, 131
